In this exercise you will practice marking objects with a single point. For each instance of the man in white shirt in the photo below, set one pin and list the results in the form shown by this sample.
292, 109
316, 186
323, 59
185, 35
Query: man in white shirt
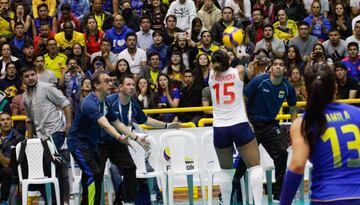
136, 57
185, 12
356, 36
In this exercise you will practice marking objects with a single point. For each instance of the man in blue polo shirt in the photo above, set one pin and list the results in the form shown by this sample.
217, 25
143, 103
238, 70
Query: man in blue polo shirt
117, 34
265, 94
352, 62
91, 120
127, 110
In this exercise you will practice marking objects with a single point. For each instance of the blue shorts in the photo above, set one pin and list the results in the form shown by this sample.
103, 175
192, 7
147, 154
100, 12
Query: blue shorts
341, 202
240, 134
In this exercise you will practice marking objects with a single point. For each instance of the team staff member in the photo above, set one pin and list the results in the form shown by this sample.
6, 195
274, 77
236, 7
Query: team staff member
226, 86
265, 94
92, 118
328, 135
127, 110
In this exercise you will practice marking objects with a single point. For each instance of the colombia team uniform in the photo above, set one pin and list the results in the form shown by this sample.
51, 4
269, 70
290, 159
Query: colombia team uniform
230, 120
336, 158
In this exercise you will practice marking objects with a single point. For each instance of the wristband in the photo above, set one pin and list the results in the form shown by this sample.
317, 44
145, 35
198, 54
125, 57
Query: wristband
122, 137
136, 138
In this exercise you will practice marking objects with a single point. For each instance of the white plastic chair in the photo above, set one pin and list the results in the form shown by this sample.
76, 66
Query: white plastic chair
76, 181
34, 153
139, 156
182, 145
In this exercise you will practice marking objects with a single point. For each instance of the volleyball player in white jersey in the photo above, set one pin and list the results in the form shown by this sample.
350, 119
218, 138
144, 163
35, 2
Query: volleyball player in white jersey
231, 126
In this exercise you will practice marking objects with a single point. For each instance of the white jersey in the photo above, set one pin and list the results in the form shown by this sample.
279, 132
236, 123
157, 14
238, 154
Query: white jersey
227, 98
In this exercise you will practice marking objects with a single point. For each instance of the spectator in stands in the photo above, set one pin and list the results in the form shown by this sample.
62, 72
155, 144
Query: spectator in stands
11, 84
324, 6
78, 8
159, 47
242, 9
145, 35
304, 41
341, 21
184, 45
92, 36
54, 60
185, 12
169, 98
152, 72
17, 104
70, 82
260, 63
318, 55
42, 104
202, 71
5, 18
227, 19
209, 14
97, 64
21, 16
170, 29
352, 62
110, 6
26, 3
319, 24
207, 45
193, 35
293, 59
77, 52
285, 29
294, 9
206, 101
175, 70
335, 47
43, 74
8, 166
190, 98
347, 87
147, 97
356, 34
273, 45
19, 40
268, 10
122, 68
157, 12
355, 8
40, 41
43, 16
297, 81
135, 56
131, 19
6, 57
117, 34
85, 88
67, 15
68, 37
102, 17
255, 29
105, 51
29, 55
262, 117
51, 4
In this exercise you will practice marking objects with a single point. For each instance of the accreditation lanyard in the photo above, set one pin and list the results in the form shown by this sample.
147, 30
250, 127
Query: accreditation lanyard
129, 125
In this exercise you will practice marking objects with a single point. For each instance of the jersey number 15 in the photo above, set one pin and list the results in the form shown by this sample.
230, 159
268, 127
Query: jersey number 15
224, 91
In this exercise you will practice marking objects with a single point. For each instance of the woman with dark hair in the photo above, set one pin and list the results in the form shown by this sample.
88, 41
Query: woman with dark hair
297, 80
175, 69
168, 97
202, 71
328, 135
293, 59
148, 99
341, 21
196, 30
23, 17
231, 126
157, 12
259, 65
97, 64
122, 67
79, 55
318, 56
184, 45
92, 36
6, 57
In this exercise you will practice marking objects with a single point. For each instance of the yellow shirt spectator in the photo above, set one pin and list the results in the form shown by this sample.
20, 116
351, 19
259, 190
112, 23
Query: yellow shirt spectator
287, 32
56, 64
63, 43
209, 51
51, 6
5, 25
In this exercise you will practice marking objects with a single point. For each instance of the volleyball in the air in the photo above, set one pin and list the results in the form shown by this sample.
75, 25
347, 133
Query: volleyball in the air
233, 36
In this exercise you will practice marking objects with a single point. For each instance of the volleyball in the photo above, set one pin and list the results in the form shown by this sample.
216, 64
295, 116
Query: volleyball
233, 36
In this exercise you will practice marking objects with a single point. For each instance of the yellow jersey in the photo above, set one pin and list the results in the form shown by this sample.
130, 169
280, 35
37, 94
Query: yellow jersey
56, 64
5, 25
285, 33
207, 52
63, 43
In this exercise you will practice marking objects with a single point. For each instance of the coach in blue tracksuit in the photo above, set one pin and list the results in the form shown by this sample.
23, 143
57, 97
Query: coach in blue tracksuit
265, 94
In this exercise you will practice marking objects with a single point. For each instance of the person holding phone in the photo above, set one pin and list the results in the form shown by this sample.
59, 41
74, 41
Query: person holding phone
318, 55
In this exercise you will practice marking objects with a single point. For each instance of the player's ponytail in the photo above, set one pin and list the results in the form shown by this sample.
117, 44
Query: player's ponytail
220, 61
320, 89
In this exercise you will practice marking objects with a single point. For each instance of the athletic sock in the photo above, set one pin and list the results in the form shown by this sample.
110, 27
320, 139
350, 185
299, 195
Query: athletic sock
226, 185
256, 175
